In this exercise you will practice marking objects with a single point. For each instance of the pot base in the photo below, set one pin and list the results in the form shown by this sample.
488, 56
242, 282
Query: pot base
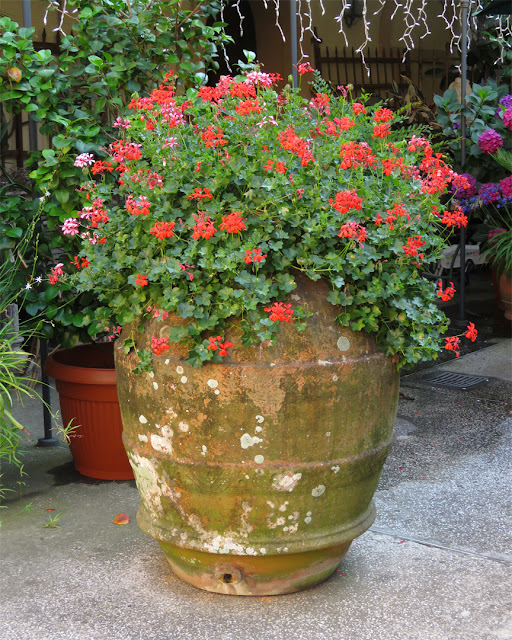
254, 576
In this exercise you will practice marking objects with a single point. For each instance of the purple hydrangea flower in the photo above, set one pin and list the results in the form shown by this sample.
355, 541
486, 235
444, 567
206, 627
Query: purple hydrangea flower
489, 192
456, 126
490, 141
506, 187
464, 194
506, 101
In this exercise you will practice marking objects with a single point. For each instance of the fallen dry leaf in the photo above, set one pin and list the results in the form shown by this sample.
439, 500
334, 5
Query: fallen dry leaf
121, 518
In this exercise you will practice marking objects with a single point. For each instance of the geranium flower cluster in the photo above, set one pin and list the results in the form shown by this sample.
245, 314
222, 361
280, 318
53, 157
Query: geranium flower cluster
452, 343
209, 205
215, 344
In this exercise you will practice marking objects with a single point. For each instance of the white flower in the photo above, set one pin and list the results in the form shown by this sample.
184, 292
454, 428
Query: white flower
28, 286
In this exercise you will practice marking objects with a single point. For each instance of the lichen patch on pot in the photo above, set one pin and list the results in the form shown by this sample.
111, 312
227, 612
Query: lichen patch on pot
171, 413
163, 443
148, 482
143, 437
247, 441
143, 419
318, 491
246, 527
343, 343
213, 384
286, 481
259, 459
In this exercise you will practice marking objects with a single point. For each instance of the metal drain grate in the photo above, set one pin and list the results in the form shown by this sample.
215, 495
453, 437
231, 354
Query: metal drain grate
453, 380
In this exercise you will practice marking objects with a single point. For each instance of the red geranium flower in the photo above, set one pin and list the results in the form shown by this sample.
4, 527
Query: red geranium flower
233, 222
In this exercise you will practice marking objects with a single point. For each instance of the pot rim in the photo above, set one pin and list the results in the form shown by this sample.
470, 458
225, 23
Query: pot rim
77, 373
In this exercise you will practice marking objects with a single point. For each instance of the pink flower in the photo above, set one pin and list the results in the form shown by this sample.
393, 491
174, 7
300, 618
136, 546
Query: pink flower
122, 123
70, 227
490, 141
507, 118
506, 186
56, 271
304, 67
263, 79
84, 159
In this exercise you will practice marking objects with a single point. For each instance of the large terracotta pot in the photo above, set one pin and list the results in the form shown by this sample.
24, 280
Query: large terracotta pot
505, 293
256, 474
86, 381
495, 286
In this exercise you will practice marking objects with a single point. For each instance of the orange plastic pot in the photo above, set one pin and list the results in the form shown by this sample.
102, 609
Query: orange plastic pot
86, 382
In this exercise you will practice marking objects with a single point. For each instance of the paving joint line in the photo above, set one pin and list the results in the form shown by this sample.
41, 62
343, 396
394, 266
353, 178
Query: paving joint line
502, 558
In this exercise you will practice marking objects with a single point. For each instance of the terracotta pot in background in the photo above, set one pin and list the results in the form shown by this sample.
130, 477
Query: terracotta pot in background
495, 286
505, 293
86, 382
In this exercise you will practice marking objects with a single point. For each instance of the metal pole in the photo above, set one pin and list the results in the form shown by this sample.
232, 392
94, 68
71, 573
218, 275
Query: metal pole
464, 7
293, 39
48, 440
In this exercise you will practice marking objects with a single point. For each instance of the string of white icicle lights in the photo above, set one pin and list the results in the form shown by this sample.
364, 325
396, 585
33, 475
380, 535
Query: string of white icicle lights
413, 13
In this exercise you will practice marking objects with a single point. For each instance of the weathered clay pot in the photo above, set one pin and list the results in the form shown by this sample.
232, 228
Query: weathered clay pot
505, 293
495, 276
256, 474
86, 381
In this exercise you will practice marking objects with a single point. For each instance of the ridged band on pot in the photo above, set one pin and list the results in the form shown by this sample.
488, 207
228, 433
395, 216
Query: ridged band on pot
256, 474
87, 385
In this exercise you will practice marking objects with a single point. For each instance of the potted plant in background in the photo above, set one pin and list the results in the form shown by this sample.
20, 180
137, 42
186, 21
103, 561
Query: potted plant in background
85, 379
263, 255
488, 197
499, 221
